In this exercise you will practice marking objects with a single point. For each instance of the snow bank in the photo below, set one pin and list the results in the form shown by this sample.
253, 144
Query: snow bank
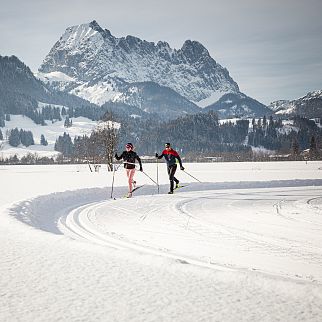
244, 246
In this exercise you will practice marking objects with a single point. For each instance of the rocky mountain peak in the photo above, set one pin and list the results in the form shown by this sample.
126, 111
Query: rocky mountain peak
95, 26
96, 60
194, 51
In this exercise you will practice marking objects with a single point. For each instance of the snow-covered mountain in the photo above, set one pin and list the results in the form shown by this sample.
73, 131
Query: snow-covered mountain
238, 105
154, 98
309, 106
90, 62
278, 105
21, 92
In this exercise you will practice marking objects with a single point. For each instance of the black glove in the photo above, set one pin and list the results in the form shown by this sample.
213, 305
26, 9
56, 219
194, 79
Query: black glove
116, 156
141, 169
182, 168
156, 155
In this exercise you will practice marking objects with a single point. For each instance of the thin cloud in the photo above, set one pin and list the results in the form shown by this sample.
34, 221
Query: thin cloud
271, 48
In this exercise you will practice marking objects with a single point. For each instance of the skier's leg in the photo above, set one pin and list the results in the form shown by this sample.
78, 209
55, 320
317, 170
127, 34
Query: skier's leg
174, 178
172, 171
176, 181
171, 181
129, 180
130, 174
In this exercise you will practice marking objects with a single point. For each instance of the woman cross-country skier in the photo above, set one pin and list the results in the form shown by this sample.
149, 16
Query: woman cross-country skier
171, 156
129, 157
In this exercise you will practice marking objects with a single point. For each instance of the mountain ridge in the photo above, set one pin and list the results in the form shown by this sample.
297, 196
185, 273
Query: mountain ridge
309, 105
89, 53
21, 92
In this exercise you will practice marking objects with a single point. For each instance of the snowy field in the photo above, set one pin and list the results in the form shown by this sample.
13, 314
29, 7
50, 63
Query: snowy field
244, 245
81, 126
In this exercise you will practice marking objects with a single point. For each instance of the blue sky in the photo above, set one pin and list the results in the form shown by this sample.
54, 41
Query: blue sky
272, 49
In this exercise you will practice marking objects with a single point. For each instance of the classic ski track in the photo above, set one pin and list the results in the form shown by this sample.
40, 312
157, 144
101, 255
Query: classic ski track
78, 224
71, 225
302, 203
253, 240
82, 223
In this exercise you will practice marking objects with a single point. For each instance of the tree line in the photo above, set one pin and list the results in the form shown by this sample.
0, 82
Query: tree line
16, 137
194, 136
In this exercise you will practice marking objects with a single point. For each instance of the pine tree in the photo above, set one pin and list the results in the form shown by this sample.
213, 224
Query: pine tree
65, 145
26, 138
313, 149
14, 137
66, 123
259, 123
295, 148
71, 112
43, 141
253, 124
1, 135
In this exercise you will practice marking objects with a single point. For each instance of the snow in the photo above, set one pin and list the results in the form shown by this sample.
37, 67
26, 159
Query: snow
135, 116
81, 126
98, 93
287, 128
42, 105
287, 109
233, 120
245, 245
77, 35
54, 77
261, 150
211, 99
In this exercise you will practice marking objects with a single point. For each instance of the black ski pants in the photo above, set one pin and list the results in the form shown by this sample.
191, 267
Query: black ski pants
171, 171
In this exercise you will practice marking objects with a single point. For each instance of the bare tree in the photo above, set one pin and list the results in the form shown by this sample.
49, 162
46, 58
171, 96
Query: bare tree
107, 135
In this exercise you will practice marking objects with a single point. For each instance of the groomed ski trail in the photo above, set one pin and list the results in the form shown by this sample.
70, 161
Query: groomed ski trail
185, 227
80, 223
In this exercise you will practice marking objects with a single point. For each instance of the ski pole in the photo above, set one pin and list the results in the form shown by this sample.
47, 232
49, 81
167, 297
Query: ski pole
89, 165
113, 180
192, 176
143, 172
150, 178
158, 175
115, 168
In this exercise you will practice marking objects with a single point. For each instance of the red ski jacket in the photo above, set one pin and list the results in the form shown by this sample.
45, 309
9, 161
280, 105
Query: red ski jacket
170, 157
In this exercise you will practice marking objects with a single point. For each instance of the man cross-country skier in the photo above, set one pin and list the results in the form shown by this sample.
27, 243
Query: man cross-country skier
129, 157
171, 156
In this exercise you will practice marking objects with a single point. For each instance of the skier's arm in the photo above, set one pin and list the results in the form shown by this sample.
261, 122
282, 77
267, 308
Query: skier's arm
118, 157
180, 162
159, 156
140, 163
